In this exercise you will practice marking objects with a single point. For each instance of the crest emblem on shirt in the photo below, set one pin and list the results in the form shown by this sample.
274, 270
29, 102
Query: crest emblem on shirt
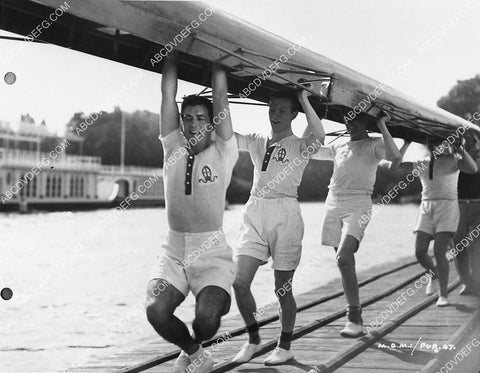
207, 175
282, 153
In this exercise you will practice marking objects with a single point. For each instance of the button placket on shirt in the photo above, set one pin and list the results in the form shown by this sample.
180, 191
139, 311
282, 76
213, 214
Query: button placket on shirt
188, 174
268, 155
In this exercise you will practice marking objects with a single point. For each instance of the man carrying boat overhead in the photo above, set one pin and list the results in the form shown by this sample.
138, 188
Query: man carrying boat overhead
195, 256
467, 259
349, 202
439, 214
272, 222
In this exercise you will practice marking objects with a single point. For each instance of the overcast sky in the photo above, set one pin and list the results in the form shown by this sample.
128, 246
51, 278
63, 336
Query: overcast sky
371, 36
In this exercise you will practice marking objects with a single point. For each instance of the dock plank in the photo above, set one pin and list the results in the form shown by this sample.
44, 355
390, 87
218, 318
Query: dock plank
325, 343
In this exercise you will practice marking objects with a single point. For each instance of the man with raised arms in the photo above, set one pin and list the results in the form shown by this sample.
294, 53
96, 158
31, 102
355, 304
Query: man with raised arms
349, 202
439, 214
467, 254
195, 256
272, 222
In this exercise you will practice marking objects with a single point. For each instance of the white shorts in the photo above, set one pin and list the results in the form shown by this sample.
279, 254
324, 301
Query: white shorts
345, 215
272, 228
438, 215
193, 261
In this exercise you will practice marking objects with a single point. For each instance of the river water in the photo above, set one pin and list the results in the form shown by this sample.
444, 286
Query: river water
79, 284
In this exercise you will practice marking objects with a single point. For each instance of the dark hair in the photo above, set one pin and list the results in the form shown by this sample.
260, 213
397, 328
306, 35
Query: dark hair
287, 95
194, 100
471, 140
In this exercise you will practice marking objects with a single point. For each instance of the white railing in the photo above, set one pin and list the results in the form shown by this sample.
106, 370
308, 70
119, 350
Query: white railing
25, 158
131, 170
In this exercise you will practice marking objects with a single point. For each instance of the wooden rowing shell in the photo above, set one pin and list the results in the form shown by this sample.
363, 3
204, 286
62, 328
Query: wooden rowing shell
141, 34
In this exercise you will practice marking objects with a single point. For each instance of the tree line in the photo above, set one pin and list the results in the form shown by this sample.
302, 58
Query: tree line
142, 148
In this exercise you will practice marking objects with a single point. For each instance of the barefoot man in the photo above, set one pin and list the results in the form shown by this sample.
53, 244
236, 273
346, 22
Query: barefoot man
195, 256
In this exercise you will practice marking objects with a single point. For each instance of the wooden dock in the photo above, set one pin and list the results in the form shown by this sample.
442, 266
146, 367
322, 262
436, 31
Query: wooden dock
409, 333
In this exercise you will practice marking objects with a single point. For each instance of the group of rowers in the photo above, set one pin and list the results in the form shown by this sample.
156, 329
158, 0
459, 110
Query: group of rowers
200, 151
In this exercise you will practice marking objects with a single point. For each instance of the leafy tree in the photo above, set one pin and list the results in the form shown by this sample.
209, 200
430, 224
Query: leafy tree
102, 137
463, 99
76, 119
242, 179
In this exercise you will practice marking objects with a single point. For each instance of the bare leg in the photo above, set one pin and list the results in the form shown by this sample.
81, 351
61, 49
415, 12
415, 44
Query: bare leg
474, 251
421, 251
160, 315
212, 303
288, 306
462, 256
440, 249
346, 265
246, 269
462, 264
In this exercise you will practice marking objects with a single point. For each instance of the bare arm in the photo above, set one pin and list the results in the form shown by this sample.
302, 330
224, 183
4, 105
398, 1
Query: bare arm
473, 149
477, 161
392, 153
307, 131
241, 142
314, 133
315, 126
475, 156
466, 164
402, 164
221, 111
404, 147
169, 120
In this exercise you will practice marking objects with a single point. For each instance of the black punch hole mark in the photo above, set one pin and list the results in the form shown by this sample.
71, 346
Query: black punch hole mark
10, 77
6, 293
